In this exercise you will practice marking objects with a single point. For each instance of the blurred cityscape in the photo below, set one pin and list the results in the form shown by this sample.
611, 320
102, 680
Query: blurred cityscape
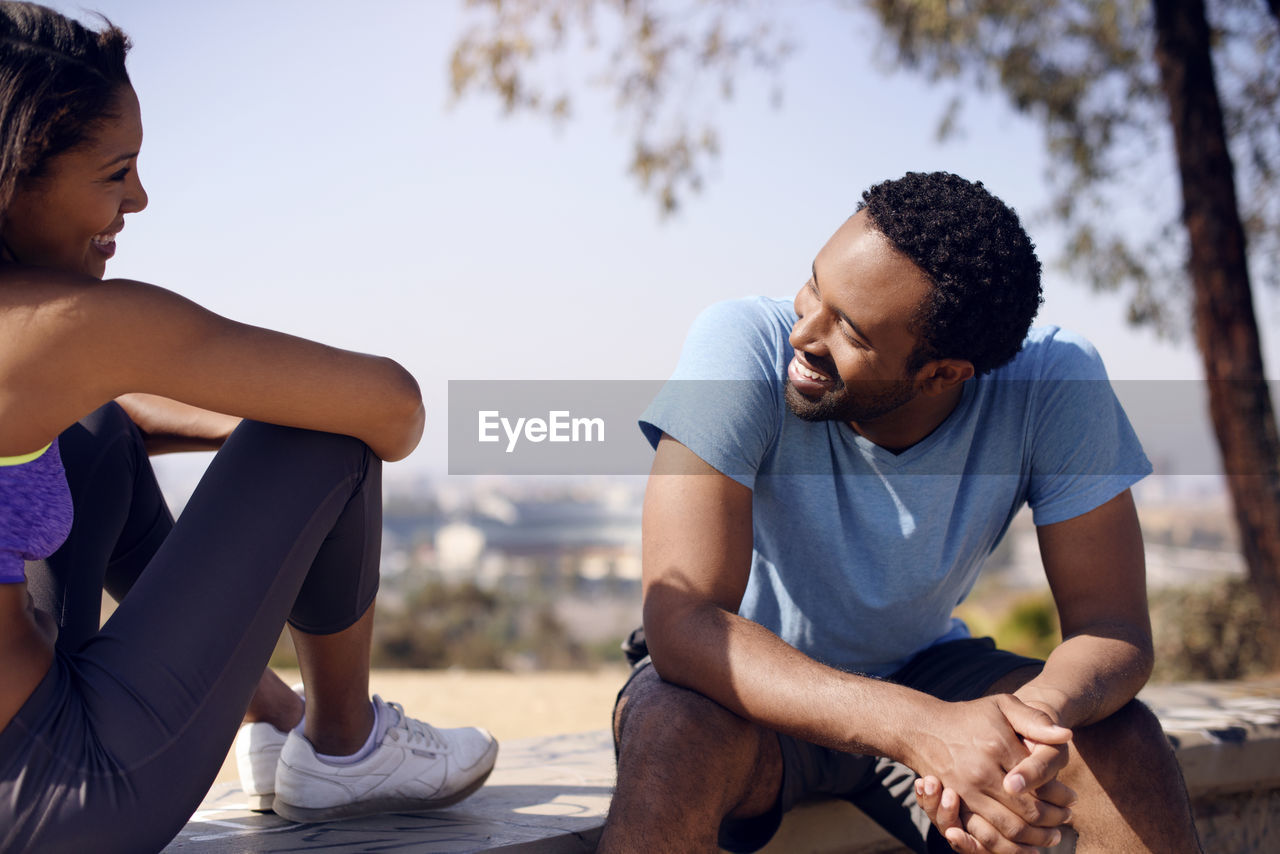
582, 538
533, 573
563, 554
573, 547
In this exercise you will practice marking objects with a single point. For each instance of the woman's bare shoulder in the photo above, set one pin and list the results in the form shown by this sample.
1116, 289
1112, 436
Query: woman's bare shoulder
43, 311
25, 291
31, 290
57, 335
35, 302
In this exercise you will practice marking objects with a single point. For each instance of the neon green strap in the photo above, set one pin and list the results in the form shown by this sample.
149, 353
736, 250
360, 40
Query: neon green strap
24, 458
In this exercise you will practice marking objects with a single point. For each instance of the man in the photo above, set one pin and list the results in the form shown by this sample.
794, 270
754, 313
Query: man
858, 455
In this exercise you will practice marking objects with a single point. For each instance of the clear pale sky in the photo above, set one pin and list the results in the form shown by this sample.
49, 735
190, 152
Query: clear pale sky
307, 172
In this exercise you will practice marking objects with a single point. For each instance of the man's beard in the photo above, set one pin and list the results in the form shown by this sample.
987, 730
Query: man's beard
842, 404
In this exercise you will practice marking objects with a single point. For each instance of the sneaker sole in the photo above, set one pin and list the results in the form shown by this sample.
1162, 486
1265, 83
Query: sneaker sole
377, 806
261, 803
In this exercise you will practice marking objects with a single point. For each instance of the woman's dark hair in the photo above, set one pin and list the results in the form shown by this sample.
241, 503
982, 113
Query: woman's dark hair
58, 80
982, 264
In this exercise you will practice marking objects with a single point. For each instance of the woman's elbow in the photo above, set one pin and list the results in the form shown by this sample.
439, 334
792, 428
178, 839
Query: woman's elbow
404, 415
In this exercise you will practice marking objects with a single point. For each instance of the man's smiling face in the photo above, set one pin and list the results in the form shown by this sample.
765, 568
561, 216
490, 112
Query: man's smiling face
853, 340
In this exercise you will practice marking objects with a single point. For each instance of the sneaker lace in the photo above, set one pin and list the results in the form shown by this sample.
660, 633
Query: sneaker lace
417, 733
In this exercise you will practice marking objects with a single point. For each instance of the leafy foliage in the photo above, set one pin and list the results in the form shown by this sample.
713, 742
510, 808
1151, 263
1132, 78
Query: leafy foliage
657, 64
1209, 632
1085, 70
1026, 624
1082, 68
1205, 632
462, 625
443, 624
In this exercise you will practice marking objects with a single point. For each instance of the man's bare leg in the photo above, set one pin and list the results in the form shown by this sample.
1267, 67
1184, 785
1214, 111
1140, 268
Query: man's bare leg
1131, 796
684, 764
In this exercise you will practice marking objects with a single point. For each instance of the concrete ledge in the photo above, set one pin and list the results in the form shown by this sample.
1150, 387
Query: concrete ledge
1227, 738
551, 795
1226, 734
546, 795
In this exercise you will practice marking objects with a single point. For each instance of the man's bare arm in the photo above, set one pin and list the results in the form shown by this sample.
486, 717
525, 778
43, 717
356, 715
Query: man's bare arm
697, 557
1097, 572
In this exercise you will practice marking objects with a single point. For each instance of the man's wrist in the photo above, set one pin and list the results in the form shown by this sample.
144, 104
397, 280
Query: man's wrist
1052, 701
911, 731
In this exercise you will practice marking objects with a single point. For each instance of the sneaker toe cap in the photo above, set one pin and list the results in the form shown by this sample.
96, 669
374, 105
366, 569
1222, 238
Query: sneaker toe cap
473, 746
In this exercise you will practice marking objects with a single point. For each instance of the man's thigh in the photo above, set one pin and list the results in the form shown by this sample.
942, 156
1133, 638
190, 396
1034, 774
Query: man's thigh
693, 735
791, 771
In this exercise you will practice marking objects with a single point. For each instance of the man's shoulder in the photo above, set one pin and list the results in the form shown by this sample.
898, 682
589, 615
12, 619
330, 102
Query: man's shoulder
1051, 352
759, 313
738, 339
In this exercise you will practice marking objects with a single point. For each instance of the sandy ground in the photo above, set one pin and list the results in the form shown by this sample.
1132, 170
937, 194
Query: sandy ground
510, 705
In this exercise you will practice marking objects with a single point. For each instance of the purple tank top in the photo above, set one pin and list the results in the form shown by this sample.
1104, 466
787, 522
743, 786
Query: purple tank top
35, 511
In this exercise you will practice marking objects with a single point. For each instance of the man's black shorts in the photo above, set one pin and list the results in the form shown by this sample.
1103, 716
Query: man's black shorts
883, 789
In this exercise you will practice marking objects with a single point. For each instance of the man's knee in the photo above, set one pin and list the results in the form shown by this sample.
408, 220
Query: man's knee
1129, 745
674, 742
658, 714
1130, 785
1133, 724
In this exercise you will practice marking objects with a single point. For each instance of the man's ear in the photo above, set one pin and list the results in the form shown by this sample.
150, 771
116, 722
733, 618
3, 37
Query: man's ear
940, 375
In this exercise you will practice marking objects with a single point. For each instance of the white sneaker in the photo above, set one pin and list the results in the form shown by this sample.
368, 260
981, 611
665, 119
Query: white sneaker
413, 767
257, 751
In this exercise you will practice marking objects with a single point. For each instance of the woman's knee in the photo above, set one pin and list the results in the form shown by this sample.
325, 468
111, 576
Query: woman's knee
107, 432
311, 451
261, 432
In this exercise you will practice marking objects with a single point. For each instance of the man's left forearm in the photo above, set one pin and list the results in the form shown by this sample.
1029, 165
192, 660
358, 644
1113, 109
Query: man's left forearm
1092, 673
1095, 566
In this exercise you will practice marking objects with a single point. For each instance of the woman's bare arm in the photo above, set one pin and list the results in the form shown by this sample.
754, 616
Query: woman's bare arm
72, 346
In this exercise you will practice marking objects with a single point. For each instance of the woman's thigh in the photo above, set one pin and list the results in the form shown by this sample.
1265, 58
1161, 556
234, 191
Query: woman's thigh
141, 715
120, 520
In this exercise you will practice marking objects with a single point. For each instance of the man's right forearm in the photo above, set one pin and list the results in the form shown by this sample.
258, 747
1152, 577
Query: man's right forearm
754, 673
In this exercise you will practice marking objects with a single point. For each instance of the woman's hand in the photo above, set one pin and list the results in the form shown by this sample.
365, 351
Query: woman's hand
168, 426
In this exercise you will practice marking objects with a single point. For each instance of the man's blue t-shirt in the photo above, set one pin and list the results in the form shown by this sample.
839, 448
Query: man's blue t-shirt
860, 555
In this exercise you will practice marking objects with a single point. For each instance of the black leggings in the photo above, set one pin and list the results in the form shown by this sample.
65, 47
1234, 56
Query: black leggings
120, 741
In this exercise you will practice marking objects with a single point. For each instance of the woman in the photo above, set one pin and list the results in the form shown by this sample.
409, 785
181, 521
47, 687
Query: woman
108, 742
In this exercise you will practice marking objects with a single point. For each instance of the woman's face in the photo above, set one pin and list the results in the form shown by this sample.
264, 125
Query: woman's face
68, 217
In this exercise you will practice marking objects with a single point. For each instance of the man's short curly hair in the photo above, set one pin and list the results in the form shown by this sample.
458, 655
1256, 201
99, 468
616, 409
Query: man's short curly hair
983, 266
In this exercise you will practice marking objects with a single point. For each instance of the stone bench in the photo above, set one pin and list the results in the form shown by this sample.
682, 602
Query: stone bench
546, 795
550, 795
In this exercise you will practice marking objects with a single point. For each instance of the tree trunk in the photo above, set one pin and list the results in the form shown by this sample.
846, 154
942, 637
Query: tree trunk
1226, 330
